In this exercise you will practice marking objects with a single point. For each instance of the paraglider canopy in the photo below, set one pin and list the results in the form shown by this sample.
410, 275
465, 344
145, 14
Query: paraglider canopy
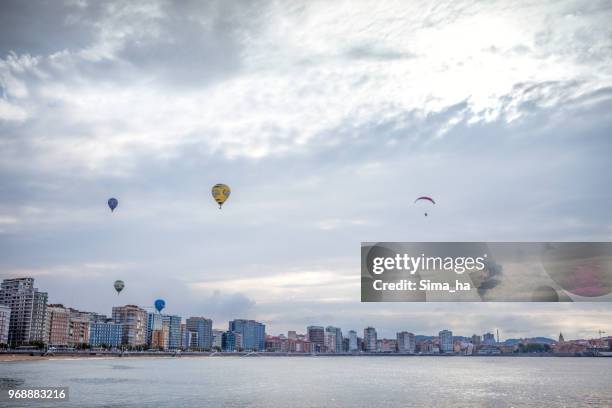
426, 199
119, 285
221, 193
113, 203
160, 304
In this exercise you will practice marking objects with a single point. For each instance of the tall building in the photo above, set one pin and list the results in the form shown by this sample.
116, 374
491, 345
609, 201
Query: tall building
203, 327
66, 327
192, 340
78, 328
174, 331
134, 321
28, 310
291, 335
228, 341
476, 340
5, 321
330, 341
57, 325
217, 339
488, 338
108, 334
353, 344
446, 341
406, 342
160, 338
252, 333
239, 344
154, 326
184, 338
338, 338
316, 337
370, 338
561, 339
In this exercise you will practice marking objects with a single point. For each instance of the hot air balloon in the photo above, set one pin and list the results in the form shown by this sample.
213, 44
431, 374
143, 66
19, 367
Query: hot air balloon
426, 199
119, 285
220, 193
160, 304
113, 203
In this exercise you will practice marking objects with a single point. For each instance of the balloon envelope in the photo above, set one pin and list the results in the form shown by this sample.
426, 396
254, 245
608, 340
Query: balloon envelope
160, 304
221, 193
119, 285
113, 203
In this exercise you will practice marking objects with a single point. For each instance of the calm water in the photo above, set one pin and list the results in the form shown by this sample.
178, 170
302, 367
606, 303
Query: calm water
321, 381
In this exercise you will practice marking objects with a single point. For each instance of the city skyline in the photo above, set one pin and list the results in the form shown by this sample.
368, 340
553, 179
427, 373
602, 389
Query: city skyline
327, 120
205, 333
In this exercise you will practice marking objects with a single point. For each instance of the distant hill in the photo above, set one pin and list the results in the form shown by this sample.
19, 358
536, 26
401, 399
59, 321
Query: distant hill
507, 342
540, 340
421, 337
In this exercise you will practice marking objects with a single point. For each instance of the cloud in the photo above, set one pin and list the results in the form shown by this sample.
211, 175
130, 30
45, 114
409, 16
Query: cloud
313, 286
222, 307
245, 99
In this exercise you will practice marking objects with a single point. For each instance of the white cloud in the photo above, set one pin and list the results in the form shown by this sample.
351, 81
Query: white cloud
296, 286
304, 74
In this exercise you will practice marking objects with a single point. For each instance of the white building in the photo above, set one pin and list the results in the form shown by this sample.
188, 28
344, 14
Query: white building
337, 332
369, 338
192, 340
446, 341
28, 310
406, 342
330, 341
217, 337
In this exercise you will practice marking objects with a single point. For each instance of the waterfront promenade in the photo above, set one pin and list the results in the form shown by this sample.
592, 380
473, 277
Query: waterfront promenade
17, 355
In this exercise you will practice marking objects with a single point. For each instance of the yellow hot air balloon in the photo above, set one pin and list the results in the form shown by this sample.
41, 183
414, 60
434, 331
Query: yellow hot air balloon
220, 193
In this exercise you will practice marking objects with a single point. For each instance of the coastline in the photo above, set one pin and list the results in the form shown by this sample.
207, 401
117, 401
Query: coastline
37, 356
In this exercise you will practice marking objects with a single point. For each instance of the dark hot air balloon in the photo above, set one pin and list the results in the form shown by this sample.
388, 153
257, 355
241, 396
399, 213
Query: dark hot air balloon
119, 285
113, 203
160, 304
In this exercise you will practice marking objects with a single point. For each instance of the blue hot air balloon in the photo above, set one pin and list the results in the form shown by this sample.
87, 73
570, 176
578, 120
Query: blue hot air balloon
160, 304
113, 203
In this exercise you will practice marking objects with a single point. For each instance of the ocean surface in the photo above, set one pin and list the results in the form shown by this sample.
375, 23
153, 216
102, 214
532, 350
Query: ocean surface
318, 381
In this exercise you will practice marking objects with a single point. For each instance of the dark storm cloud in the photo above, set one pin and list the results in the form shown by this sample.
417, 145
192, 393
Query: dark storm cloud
194, 42
41, 27
187, 43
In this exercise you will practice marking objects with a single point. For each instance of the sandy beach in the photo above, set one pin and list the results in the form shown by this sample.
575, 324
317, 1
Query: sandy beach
20, 357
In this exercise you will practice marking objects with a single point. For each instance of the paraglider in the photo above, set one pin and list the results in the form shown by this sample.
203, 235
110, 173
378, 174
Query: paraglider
425, 198
160, 304
119, 285
113, 203
221, 193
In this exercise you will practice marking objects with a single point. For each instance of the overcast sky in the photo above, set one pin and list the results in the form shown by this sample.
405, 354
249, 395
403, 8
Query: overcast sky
326, 119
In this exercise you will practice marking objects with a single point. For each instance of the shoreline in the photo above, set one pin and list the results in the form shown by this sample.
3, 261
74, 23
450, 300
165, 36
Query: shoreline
38, 356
